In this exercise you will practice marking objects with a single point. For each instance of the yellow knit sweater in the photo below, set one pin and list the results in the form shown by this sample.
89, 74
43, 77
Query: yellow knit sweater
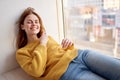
45, 62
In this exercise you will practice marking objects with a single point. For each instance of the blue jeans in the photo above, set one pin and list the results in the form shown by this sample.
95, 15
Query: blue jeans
92, 65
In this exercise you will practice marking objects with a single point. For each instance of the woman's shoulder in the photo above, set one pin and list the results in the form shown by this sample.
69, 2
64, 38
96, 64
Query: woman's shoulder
50, 37
29, 45
22, 49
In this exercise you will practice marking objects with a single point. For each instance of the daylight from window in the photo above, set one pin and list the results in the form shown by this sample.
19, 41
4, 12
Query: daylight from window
93, 24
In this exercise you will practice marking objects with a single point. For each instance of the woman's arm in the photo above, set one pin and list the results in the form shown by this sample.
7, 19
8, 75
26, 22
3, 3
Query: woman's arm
66, 44
33, 62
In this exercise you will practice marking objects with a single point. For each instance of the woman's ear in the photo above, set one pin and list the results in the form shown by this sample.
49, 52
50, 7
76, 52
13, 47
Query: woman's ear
22, 26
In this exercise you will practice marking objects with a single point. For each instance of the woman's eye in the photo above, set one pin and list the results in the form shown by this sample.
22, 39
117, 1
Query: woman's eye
36, 22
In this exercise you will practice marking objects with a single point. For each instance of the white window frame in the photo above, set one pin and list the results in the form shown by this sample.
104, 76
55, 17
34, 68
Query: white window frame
60, 19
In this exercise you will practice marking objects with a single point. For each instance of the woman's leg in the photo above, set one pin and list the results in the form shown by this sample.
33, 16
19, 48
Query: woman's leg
77, 70
101, 64
88, 75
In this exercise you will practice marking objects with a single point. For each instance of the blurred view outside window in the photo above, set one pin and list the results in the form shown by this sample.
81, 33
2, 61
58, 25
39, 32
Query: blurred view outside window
93, 24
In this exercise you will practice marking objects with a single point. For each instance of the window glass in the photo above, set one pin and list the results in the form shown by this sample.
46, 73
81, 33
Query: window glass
93, 24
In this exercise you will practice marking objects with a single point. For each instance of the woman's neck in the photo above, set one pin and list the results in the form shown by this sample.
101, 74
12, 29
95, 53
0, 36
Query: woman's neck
32, 38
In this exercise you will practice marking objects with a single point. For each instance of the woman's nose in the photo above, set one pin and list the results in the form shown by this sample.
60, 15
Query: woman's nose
33, 23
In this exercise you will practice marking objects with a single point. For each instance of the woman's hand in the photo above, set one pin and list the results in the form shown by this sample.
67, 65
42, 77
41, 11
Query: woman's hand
66, 43
43, 39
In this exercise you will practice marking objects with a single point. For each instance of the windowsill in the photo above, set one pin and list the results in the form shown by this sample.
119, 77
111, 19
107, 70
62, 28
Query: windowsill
108, 49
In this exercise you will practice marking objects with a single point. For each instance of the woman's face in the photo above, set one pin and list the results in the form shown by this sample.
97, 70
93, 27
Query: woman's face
31, 25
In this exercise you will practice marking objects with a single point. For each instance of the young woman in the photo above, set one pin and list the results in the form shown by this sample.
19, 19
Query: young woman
42, 57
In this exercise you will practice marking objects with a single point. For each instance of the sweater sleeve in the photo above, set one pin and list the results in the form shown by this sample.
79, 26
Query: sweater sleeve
69, 48
53, 42
33, 62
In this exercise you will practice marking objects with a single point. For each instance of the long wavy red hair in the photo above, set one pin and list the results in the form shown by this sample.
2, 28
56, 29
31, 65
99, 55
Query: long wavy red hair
21, 40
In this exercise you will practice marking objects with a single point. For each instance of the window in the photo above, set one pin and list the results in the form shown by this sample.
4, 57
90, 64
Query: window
93, 24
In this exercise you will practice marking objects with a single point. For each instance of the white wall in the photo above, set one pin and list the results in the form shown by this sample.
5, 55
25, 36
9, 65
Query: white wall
9, 13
